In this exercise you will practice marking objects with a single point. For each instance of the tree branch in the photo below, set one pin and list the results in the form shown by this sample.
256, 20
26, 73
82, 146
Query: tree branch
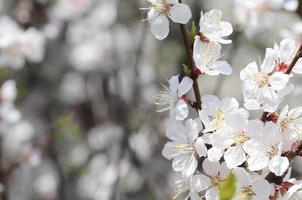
188, 48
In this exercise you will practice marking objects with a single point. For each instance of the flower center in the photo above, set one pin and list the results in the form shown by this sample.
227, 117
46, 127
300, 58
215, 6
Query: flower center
162, 7
272, 150
165, 100
261, 79
281, 67
218, 119
287, 124
216, 181
185, 148
246, 193
241, 138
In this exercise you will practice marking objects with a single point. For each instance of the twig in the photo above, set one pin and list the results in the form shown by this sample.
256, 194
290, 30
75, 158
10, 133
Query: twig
187, 44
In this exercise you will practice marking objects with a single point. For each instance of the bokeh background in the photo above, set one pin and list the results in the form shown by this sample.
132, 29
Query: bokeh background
89, 129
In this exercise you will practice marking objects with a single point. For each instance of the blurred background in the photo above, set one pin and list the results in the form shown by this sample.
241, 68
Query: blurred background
78, 120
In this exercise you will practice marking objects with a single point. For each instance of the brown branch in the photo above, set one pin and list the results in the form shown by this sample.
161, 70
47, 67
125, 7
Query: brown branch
188, 45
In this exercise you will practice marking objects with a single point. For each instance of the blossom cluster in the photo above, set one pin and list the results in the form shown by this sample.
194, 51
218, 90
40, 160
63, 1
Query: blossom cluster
210, 141
18, 46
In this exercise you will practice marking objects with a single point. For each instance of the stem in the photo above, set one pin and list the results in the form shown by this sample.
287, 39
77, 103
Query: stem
295, 60
288, 71
187, 44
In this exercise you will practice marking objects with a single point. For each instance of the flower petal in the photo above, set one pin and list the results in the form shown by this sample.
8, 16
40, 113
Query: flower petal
278, 165
181, 110
184, 86
160, 27
180, 13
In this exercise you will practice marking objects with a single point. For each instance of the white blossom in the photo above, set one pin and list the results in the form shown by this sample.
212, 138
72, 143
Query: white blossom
251, 186
212, 27
215, 113
206, 56
171, 98
266, 151
264, 88
185, 146
216, 173
160, 11
290, 126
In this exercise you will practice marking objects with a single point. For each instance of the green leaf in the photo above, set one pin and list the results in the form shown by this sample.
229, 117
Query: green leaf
186, 69
228, 188
192, 33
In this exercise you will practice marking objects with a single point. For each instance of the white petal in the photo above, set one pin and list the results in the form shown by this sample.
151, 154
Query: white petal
190, 166
181, 110
242, 176
174, 84
295, 113
222, 67
248, 72
201, 147
287, 50
214, 154
234, 157
180, 13
184, 86
212, 194
229, 104
210, 104
210, 168
278, 80
169, 151
160, 27
224, 171
254, 148
227, 29
176, 132
278, 165
298, 67
257, 163
204, 182
262, 188
192, 130
269, 61
221, 139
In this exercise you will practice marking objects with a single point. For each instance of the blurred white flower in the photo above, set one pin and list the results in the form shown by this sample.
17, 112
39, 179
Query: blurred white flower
17, 139
104, 136
72, 89
97, 182
17, 45
143, 143
294, 32
70, 9
8, 112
